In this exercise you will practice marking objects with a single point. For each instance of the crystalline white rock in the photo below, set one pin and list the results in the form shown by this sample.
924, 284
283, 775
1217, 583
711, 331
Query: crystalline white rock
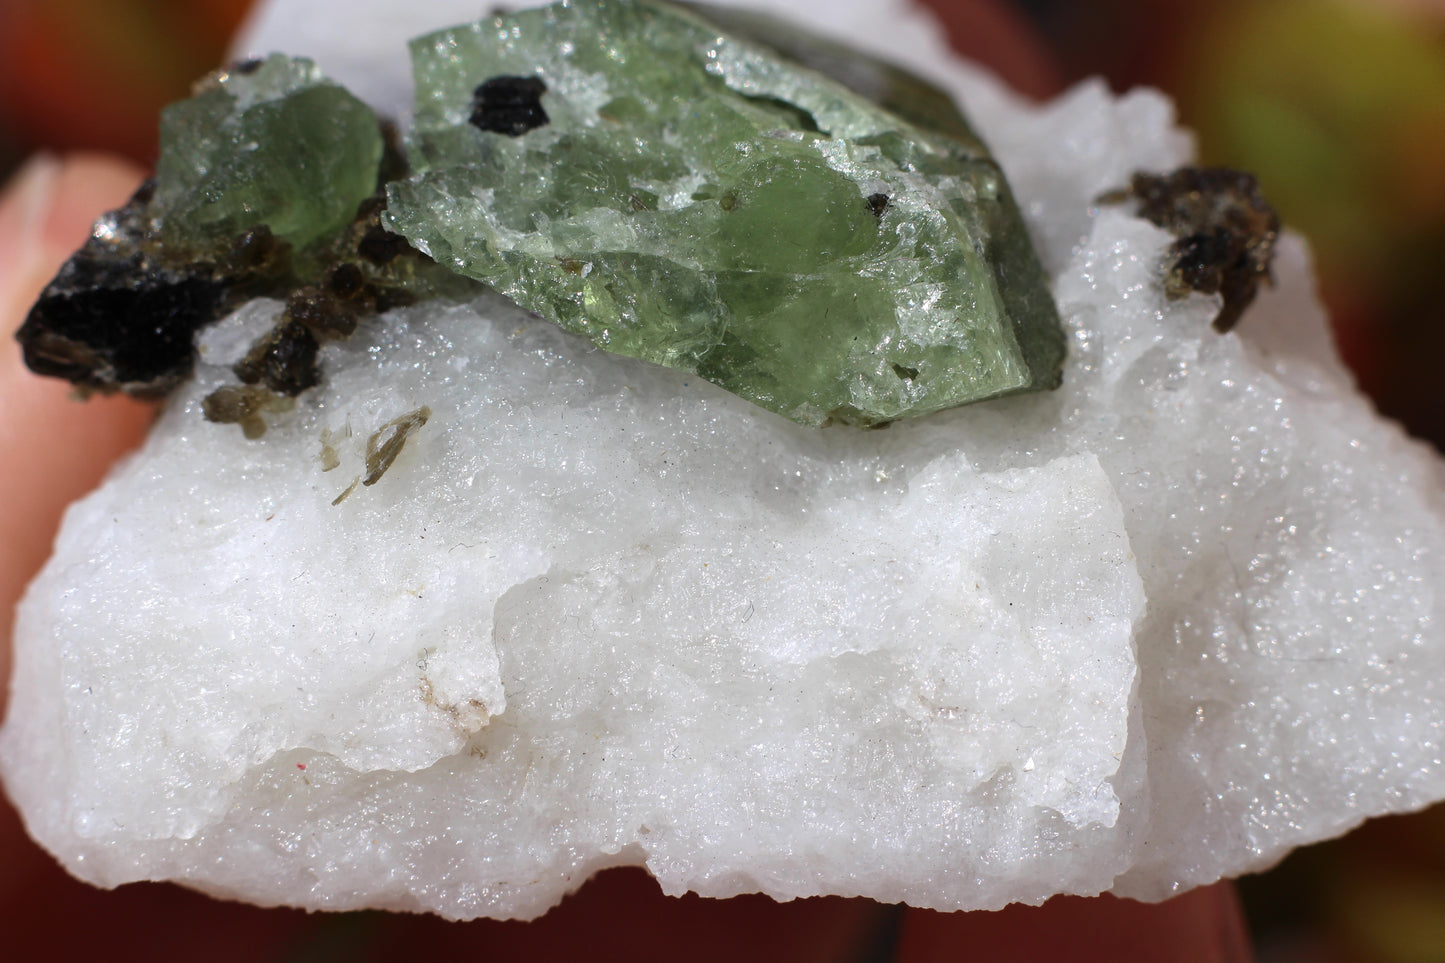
600, 613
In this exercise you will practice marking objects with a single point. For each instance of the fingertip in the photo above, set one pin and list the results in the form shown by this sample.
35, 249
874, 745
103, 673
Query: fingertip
24, 208
86, 185
54, 448
46, 212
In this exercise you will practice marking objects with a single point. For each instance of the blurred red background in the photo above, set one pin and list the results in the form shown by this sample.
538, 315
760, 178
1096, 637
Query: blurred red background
1337, 105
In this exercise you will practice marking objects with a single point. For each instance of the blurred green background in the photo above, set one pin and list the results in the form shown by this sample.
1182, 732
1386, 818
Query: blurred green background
1337, 105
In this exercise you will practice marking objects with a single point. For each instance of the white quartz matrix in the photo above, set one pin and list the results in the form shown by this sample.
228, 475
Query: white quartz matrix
1153, 628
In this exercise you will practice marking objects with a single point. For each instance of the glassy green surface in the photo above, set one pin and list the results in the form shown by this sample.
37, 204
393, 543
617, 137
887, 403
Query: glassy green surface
698, 200
269, 142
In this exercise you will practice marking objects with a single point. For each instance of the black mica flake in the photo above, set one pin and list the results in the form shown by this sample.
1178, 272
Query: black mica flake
509, 105
137, 337
118, 318
1226, 233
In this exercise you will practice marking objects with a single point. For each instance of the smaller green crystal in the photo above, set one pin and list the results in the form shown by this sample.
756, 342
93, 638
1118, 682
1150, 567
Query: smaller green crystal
683, 195
266, 142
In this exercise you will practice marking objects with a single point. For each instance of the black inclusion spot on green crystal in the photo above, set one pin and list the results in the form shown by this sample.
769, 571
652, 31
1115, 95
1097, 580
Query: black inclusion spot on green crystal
877, 204
905, 372
509, 105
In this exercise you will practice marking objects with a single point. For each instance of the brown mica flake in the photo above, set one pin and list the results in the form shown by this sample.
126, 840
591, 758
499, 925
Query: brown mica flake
347, 492
329, 309
1225, 229
243, 405
387, 442
284, 360
348, 287
330, 453
382, 449
380, 246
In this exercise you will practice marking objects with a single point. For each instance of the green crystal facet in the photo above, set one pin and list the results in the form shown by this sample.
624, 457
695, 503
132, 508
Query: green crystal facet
699, 200
270, 142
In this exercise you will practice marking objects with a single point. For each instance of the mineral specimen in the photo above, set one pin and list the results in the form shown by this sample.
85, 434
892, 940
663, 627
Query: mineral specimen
1160, 625
695, 199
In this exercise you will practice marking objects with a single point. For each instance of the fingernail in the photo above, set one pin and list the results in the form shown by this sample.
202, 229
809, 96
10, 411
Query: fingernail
25, 204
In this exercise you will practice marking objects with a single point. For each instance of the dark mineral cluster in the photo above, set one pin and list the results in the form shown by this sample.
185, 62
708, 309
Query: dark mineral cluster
1225, 230
122, 313
269, 185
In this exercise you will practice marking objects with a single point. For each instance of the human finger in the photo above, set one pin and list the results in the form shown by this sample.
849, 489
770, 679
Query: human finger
53, 447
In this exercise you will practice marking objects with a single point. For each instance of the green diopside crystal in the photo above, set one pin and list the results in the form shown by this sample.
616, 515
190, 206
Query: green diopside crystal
268, 142
699, 200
